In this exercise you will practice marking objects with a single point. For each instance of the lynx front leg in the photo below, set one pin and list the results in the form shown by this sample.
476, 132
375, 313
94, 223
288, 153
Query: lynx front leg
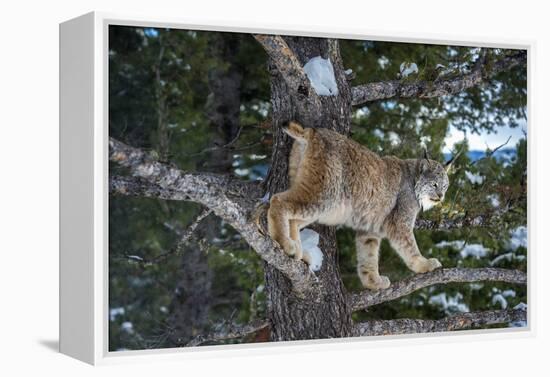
367, 262
281, 228
404, 243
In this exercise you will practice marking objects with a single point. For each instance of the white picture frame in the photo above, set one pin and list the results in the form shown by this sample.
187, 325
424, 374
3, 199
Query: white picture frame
84, 191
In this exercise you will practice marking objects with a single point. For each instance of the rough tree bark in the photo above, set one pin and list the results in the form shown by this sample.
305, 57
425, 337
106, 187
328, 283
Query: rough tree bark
327, 315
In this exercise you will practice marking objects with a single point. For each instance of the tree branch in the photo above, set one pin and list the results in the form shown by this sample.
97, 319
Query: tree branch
184, 236
430, 89
135, 186
404, 287
455, 322
228, 198
484, 220
232, 331
287, 64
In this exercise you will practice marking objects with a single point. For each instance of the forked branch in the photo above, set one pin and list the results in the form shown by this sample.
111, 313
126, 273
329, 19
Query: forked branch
230, 199
287, 63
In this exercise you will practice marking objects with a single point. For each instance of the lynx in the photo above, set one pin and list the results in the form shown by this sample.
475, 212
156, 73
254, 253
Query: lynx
337, 181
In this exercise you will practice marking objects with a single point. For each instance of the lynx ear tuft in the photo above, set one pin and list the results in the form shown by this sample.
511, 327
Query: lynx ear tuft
294, 130
426, 155
449, 164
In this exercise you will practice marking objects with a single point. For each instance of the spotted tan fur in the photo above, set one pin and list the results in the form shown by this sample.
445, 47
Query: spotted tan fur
336, 181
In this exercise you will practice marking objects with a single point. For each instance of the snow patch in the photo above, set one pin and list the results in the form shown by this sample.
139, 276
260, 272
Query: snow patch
242, 172
476, 286
135, 258
518, 237
474, 250
321, 75
507, 256
520, 306
451, 304
493, 199
115, 312
378, 133
383, 62
499, 298
394, 138
310, 245
127, 327
425, 141
474, 178
407, 69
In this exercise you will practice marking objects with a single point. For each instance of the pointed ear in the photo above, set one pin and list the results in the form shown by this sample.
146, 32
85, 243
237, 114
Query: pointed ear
423, 165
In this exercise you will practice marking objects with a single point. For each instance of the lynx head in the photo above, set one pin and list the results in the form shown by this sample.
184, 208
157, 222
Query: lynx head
432, 181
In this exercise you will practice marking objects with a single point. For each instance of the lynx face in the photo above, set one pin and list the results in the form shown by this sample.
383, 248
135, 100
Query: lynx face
431, 185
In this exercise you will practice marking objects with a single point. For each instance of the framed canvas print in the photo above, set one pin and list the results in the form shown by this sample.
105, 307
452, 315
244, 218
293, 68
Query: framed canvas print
227, 188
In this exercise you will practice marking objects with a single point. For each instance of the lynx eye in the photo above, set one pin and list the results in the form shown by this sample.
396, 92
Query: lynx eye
434, 184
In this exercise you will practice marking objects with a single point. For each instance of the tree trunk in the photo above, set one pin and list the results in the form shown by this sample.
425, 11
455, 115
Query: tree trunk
328, 316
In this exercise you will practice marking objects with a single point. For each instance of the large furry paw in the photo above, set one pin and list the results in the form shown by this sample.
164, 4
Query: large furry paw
293, 249
374, 282
423, 265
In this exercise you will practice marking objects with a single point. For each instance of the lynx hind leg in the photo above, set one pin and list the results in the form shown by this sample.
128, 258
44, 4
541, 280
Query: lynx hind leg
295, 226
368, 247
279, 225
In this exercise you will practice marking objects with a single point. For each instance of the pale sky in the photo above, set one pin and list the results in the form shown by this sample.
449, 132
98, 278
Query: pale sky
480, 142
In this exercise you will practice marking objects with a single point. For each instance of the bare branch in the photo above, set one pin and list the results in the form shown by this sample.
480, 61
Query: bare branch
135, 186
404, 287
491, 152
287, 63
184, 235
228, 198
479, 221
430, 89
455, 322
231, 331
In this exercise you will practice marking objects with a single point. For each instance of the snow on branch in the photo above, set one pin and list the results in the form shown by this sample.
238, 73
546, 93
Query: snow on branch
452, 323
287, 63
404, 287
230, 199
227, 332
429, 89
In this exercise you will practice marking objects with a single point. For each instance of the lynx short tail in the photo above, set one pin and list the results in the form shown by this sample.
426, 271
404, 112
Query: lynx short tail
295, 131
